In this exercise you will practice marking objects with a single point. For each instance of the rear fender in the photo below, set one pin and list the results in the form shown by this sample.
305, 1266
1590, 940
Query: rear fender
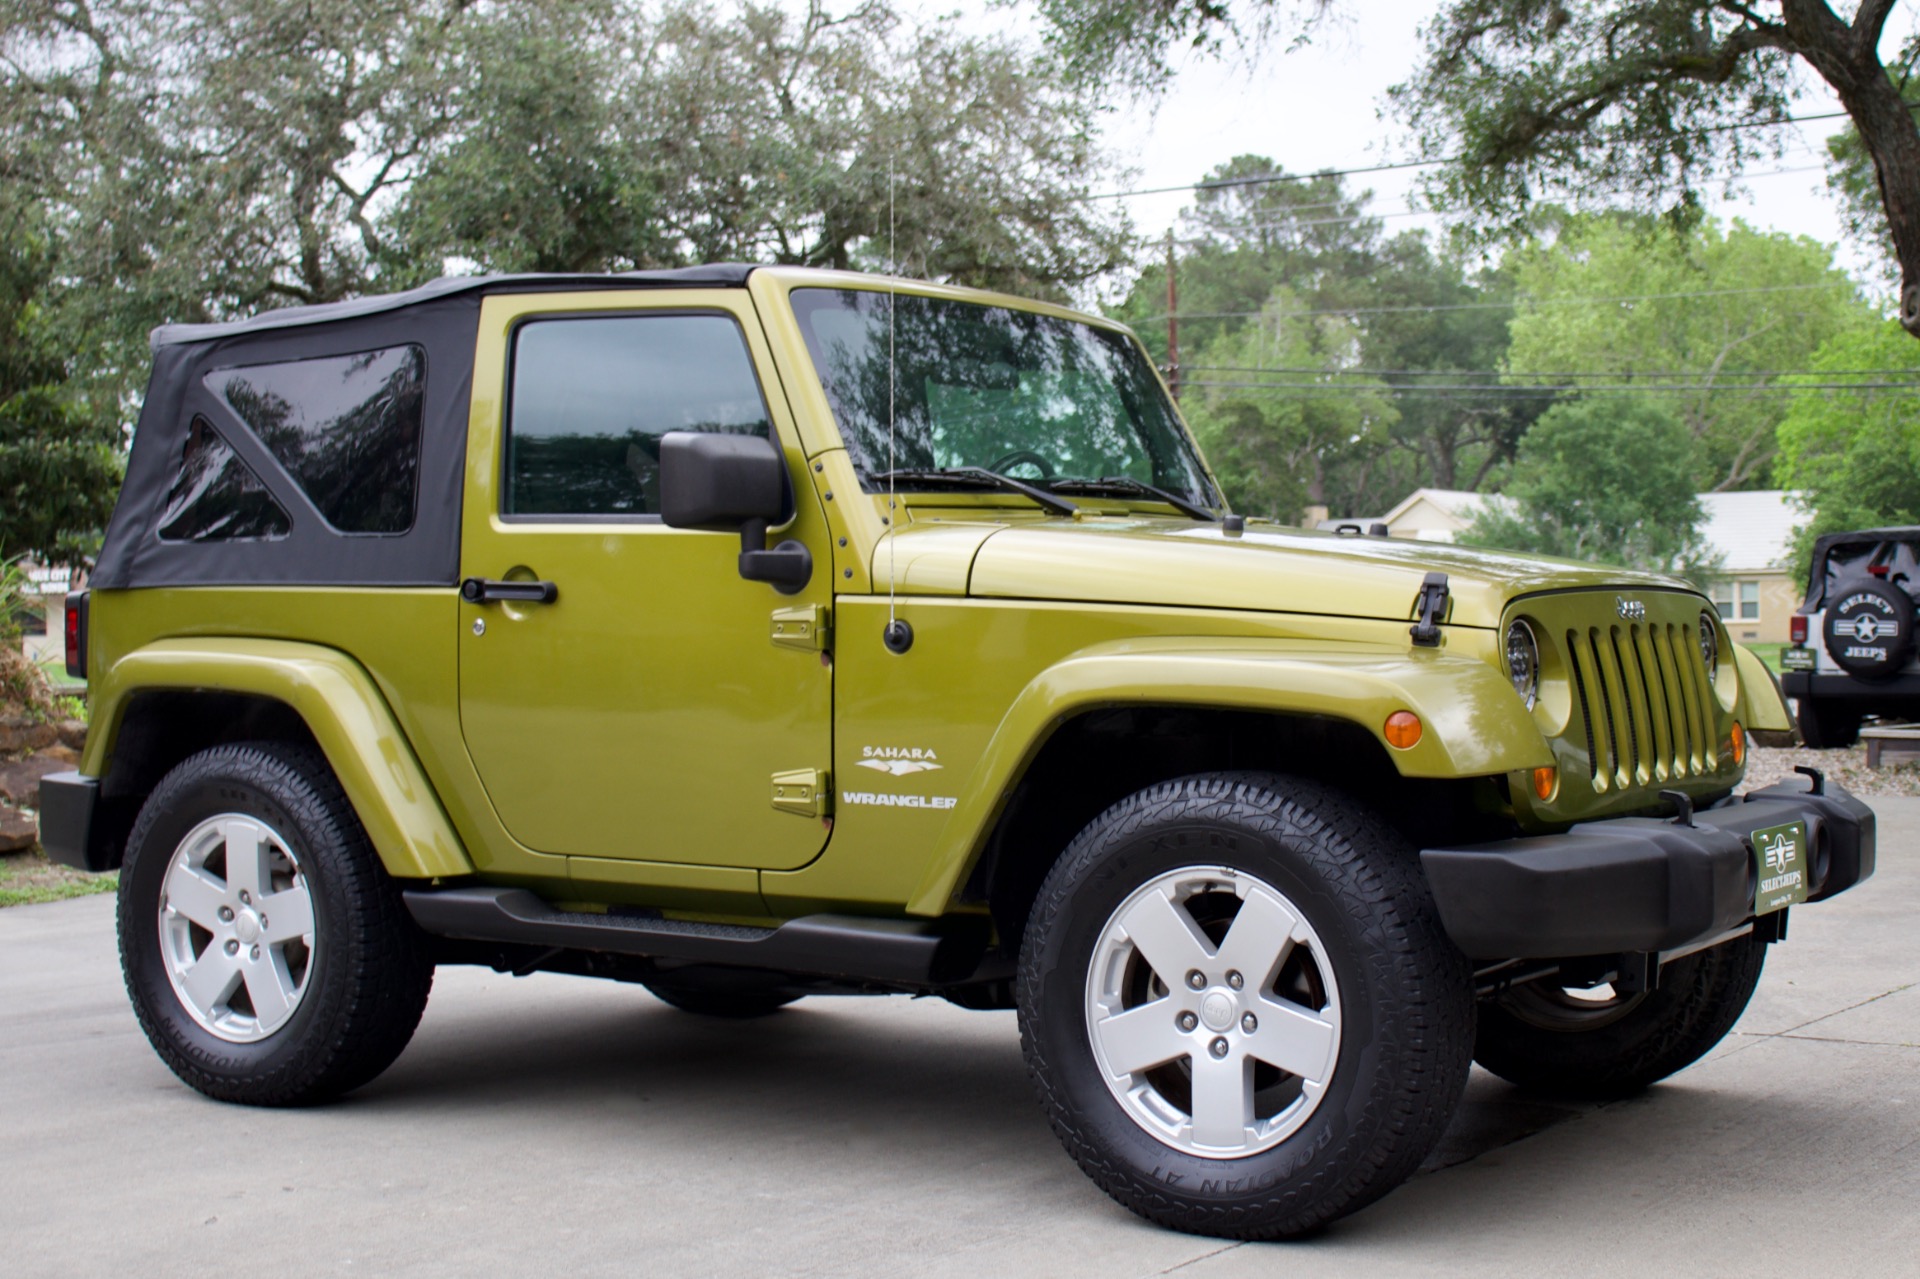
341, 707
1475, 726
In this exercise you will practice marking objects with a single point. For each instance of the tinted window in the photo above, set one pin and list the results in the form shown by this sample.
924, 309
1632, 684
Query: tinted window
593, 395
215, 496
346, 427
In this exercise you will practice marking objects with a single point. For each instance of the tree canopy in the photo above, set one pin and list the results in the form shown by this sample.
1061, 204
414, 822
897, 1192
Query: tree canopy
1853, 451
1602, 481
1703, 319
1595, 103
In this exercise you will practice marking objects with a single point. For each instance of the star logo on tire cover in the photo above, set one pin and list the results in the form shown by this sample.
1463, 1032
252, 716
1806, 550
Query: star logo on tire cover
1866, 628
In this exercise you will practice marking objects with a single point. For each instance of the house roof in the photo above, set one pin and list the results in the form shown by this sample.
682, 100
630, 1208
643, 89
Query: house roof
1751, 530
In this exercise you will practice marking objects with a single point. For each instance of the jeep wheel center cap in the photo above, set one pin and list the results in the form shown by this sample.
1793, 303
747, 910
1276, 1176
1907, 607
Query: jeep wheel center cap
1217, 1010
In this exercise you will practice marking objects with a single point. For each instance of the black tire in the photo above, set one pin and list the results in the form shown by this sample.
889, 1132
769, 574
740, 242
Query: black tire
1868, 628
1825, 726
732, 1005
366, 977
1404, 1001
1546, 1041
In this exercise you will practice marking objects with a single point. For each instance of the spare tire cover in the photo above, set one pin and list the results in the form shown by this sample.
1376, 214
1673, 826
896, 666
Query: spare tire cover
1869, 628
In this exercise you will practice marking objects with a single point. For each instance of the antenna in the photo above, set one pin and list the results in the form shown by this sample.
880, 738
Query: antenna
898, 636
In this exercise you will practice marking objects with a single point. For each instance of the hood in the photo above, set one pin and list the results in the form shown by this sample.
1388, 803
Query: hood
1187, 564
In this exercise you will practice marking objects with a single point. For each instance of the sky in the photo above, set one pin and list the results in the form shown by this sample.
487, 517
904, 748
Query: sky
1324, 106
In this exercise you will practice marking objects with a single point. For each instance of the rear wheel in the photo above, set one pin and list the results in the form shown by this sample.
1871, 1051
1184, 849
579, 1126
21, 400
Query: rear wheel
1598, 1044
1239, 1008
268, 956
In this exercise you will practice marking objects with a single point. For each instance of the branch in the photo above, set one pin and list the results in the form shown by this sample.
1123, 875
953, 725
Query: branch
1869, 22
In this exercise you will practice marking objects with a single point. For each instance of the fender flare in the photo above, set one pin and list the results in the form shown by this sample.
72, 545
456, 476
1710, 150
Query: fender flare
343, 709
1475, 725
1766, 704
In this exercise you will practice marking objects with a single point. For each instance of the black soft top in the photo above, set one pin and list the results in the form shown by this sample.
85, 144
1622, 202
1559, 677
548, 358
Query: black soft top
441, 319
1831, 546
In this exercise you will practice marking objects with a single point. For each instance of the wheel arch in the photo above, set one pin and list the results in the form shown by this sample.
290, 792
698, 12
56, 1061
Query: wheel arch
1188, 705
166, 701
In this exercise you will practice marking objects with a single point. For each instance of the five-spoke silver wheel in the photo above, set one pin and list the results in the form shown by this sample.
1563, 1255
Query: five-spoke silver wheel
237, 928
1213, 1012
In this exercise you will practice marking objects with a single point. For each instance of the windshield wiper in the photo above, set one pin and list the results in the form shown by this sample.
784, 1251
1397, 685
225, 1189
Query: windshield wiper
982, 477
1127, 484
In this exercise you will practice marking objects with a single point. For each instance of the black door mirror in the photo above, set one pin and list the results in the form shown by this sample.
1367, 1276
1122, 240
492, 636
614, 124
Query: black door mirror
726, 482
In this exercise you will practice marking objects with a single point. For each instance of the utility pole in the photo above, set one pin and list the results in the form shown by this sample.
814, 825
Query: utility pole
1173, 324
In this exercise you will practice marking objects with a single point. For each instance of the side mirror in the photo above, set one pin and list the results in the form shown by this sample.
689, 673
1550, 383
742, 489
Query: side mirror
725, 482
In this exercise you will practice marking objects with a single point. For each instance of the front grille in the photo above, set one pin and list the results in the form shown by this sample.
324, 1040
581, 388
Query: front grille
1646, 703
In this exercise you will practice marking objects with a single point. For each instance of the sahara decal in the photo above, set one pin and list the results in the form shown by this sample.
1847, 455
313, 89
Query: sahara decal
898, 761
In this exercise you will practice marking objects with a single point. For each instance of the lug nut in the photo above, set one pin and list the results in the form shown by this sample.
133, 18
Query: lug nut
1218, 1048
233, 947
1186, 1021
1249, 1023
243, 897
226, 914
1235, 980
256, 952
1196, 980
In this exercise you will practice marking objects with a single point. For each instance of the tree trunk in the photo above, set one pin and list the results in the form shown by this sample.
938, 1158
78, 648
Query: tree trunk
1849, 60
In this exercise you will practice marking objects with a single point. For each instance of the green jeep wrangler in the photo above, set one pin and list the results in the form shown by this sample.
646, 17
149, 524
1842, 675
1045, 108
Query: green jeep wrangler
755, 633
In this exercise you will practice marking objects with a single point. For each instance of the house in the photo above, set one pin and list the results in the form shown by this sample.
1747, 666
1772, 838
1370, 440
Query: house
1750, 531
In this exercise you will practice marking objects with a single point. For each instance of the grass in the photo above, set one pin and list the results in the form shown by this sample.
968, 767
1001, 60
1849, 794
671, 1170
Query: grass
1768, 653
27, 879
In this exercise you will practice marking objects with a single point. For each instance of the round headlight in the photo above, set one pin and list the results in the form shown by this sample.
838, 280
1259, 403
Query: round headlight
1523, 661
1709, 643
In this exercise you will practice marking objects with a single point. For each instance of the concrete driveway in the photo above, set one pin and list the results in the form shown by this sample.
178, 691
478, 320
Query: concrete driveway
556, 1126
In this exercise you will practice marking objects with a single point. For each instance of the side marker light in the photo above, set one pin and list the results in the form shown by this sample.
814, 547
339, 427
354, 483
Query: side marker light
1546, 781
1403, 729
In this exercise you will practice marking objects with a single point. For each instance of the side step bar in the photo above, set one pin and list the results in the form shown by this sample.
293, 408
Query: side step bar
905, 952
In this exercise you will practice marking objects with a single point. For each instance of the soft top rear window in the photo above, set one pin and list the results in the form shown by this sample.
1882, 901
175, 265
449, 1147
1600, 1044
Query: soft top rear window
346, 428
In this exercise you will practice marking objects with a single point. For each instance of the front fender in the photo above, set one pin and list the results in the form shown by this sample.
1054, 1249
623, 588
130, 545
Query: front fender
1475, 725
342, 708
1766, 705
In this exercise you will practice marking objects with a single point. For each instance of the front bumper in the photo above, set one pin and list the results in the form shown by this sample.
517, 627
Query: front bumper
1638, 884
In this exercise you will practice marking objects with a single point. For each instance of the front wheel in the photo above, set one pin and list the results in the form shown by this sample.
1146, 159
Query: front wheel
1598, 1044
269, 958
1239, 1008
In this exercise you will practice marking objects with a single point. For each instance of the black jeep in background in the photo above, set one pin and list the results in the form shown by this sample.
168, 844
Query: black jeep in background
1852, 653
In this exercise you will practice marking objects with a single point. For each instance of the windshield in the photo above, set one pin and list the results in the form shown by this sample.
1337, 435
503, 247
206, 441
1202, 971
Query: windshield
1032, 396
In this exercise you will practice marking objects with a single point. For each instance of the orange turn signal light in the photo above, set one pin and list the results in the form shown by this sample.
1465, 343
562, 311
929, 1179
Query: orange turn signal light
1739, 743
1403, 730
1546, 781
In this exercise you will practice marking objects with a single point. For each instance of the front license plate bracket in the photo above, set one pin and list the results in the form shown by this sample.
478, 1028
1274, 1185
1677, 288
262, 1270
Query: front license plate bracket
1782, 867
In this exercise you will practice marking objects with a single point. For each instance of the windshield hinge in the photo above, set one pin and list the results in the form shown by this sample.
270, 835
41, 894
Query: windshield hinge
807, 628
802, 792
1429, 610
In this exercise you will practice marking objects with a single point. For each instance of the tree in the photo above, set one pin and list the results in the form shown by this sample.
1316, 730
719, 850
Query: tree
1700, 319
59, 454
1418, 331
1854, 452
1590, 102
1602, 480
1278, 450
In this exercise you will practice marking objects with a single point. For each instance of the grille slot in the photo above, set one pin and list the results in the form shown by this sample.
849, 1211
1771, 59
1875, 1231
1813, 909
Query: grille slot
1643, 704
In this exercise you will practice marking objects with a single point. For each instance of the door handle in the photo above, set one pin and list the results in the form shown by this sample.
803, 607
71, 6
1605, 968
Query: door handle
481, 590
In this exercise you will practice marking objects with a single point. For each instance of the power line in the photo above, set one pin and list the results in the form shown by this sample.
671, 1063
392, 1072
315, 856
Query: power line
1490, 306
1309, 370
1504, 390
1266, 179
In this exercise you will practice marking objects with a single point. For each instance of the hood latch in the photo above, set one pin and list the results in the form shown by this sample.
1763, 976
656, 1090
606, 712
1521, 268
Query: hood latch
1429, 607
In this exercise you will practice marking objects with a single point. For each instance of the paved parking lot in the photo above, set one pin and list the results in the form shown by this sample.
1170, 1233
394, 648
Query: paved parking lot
550, 1125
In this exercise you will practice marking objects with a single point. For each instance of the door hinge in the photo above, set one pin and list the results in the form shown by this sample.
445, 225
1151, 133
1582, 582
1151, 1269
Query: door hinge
802, 792
806, 628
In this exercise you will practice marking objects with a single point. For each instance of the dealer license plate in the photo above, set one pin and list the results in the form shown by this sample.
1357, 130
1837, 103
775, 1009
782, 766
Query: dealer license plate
1796, 659
1780, 857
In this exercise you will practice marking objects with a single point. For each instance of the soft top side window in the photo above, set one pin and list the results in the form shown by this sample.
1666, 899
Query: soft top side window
346, 427
216, 497
592, 395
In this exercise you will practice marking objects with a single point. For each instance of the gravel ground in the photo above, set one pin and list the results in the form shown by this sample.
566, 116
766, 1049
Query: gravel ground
1847, 767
